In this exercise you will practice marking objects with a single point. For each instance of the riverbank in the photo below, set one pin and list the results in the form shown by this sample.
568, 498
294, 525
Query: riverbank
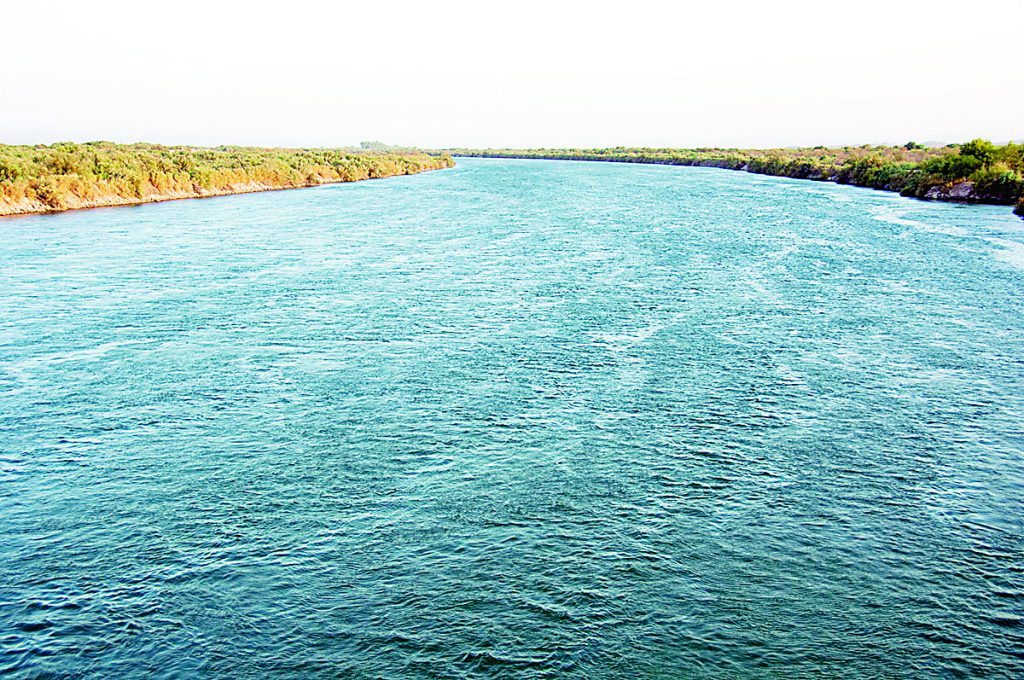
67, 176
974, 172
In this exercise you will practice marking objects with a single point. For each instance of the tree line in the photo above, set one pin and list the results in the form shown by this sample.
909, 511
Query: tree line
67, 174
977, 171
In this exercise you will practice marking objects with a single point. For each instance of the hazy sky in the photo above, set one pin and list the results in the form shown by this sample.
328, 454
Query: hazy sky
518, 74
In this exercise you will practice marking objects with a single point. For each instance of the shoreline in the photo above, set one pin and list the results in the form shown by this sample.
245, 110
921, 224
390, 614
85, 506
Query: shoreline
115, 201
958, 192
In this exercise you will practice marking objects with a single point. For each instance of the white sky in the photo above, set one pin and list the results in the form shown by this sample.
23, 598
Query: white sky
524, 73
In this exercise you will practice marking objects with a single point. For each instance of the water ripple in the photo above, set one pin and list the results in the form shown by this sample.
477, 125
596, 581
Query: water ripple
515, 419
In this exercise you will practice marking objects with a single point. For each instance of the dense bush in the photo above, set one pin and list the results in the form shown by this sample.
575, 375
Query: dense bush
66, 174
998, 183
981, 149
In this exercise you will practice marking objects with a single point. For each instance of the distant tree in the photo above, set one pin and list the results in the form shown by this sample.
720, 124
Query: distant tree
375, 146
910, 146
981, 149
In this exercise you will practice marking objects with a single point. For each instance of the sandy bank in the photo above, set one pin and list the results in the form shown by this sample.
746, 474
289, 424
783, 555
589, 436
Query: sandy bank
28, 206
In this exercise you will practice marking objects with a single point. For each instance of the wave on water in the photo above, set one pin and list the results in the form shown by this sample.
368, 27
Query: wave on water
895, 214
395, 431
1010, 252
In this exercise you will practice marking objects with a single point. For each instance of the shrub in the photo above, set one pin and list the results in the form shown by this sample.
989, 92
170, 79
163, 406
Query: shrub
53, 174
981, 149
998, 183
9, 171
48, 192
953, 166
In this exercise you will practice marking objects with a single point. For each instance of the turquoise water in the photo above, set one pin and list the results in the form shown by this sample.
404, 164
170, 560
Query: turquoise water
515, 419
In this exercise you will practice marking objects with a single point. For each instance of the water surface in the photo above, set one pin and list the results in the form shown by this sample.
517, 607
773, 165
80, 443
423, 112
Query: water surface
515, 419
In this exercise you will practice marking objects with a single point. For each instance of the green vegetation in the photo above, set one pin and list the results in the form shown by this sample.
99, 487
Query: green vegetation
976, 171
68, 175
